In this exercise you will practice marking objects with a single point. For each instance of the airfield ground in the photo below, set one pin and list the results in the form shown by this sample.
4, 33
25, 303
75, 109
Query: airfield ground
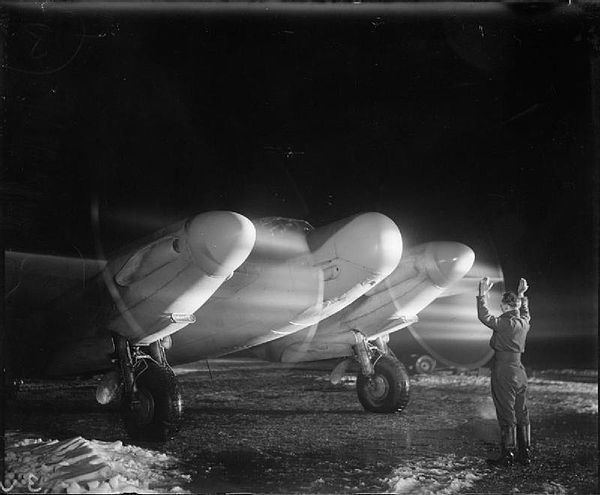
260, 428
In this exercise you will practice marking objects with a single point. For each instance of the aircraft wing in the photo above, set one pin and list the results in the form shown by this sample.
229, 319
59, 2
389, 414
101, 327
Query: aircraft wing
422, 276
218, 285
143, 293
38, 279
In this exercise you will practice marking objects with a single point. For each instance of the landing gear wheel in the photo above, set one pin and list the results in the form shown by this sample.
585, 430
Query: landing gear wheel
425, 364
387, 390
154, 408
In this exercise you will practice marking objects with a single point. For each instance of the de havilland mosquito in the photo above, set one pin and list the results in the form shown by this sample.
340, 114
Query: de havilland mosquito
219, 283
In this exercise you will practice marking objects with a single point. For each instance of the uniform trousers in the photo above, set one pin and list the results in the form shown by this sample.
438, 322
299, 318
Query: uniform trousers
509, 389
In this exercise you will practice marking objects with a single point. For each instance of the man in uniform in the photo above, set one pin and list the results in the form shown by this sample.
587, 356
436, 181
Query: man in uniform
509, 381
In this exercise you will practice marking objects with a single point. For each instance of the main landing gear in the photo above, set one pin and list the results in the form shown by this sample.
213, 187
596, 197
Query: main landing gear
383, 385
151, 404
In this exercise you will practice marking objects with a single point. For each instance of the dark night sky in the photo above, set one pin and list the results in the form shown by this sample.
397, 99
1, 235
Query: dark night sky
474, 126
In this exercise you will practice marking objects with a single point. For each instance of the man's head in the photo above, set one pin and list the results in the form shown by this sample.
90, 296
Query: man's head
509, 302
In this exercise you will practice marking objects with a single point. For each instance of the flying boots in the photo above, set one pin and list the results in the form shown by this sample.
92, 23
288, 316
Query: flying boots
509, 446
524, 443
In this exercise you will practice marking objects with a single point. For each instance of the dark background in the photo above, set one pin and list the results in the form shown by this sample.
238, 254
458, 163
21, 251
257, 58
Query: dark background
469, 123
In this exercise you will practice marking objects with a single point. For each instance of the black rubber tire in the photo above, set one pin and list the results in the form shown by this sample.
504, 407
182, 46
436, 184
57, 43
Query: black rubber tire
387, 390
158, 390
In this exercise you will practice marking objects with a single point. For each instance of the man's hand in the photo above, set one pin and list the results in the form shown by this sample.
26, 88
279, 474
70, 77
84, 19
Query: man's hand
485, 284
522, 287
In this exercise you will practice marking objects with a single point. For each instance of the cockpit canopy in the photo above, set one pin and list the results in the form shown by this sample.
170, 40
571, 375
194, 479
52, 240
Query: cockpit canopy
278, 225
279, 238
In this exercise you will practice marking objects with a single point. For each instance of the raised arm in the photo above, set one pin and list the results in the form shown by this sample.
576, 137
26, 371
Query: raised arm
483, 312
524, 309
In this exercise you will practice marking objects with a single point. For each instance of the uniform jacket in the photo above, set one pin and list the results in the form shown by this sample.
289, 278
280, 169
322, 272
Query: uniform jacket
510, 328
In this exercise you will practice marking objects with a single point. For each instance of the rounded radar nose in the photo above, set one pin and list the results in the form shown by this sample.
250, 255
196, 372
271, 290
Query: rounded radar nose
448, 262
371, 240
220, 241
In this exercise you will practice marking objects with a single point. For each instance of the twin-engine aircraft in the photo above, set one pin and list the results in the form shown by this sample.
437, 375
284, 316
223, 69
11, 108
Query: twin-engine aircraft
219, 283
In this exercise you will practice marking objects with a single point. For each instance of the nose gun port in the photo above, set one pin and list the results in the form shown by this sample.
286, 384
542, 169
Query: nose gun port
448, 262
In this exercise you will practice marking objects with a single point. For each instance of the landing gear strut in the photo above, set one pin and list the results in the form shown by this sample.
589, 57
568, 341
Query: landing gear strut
383, 385
151, 402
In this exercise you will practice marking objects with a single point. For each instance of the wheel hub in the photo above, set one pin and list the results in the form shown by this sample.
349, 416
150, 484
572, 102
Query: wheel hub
142, 407
378, 387
425, 364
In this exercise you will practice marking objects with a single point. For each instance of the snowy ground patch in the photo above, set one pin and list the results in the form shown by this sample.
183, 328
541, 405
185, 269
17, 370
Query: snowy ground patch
444, 475
78, 465
577, 397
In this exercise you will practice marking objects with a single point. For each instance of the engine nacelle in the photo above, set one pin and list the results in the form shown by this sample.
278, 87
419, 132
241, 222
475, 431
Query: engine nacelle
158, 289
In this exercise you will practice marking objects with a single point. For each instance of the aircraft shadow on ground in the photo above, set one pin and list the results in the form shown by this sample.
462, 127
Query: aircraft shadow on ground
198, 410
61, 406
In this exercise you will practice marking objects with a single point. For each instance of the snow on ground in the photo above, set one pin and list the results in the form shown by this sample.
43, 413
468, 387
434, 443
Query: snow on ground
444, 475
77, 465
553, 488
578, 397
